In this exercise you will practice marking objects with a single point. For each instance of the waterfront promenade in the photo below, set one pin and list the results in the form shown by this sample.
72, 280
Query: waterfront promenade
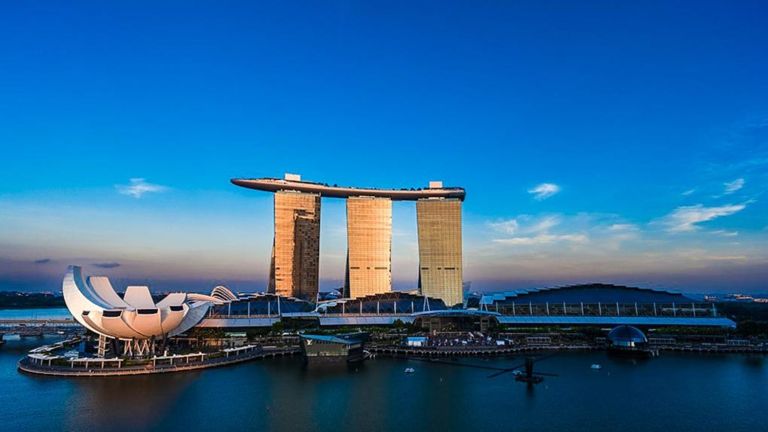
479, 351
95, 367
38, 327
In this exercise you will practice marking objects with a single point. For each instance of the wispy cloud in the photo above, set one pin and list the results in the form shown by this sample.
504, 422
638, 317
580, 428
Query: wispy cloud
526, 225
725, 233
529, 231
733, 186
622, 227
687, 218
509, 226
543, 239
106, 265
688, 192
544, 191
137, 187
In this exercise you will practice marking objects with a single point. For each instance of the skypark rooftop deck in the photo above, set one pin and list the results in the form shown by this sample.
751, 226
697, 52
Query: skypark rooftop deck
334, 191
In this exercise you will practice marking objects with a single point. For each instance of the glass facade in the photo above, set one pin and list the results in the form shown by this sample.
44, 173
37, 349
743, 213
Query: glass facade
296, 249
369, 237
440, 260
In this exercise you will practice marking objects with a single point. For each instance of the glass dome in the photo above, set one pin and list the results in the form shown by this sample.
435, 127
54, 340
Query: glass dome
626, 336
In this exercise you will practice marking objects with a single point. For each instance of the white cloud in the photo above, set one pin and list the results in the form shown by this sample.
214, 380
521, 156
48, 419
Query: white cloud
623, 227
507, 226
528, 231
543, 239
686, 218
543, 225
688, 192
526, 225
733, 186
544, 191
725, 233
138, 187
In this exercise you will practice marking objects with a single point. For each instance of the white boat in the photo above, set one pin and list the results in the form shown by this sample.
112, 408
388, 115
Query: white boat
596, 366
410, 370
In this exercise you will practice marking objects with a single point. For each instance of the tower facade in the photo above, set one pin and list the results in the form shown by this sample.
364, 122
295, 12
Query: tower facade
440, 260
295, 263
369, 253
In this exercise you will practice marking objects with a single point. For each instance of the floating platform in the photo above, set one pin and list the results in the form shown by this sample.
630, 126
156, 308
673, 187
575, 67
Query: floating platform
347, 348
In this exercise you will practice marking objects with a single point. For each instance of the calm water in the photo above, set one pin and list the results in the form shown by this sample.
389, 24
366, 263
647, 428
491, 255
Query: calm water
670, 393
43, 313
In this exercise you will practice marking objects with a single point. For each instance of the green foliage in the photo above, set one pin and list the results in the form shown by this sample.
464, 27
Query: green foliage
752, 328
278, 327
739, 312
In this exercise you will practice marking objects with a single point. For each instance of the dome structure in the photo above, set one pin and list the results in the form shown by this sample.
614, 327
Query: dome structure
93, 302
625, 336
223, 293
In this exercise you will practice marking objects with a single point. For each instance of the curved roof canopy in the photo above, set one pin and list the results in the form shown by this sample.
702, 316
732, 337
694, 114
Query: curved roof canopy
94, 303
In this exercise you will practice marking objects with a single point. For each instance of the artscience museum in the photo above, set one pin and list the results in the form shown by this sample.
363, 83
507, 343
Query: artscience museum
135, 319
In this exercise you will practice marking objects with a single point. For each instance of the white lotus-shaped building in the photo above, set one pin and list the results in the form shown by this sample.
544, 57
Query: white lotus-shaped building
135, 317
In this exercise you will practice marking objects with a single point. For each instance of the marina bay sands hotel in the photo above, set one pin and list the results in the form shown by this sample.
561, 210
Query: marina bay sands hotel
296, 248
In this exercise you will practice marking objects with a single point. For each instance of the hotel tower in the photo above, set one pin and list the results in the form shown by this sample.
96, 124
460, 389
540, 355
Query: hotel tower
369, 239
296, 249
295, 265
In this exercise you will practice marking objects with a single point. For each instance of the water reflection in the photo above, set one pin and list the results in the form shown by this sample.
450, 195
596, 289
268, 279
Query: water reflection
124, 402
667, 393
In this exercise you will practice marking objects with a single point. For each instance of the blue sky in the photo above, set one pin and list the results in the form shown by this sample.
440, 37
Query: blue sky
597, 141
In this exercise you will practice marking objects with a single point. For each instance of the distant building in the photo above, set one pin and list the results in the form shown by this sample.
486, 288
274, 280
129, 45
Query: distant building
416, 341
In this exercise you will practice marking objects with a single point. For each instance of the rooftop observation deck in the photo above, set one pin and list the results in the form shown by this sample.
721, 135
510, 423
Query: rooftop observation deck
334, 191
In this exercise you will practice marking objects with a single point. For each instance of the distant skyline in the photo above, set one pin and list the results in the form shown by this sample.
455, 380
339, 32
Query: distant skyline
597, 141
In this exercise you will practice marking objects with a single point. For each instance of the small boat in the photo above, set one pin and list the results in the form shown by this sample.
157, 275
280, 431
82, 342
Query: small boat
596, 366
409, 370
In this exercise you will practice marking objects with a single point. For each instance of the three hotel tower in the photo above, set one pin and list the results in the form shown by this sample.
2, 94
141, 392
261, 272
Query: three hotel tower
296, 249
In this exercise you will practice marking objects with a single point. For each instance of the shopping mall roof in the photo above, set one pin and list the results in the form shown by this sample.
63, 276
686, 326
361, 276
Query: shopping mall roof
587, 293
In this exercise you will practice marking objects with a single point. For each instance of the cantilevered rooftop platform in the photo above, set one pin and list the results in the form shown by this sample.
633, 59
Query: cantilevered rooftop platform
334, 191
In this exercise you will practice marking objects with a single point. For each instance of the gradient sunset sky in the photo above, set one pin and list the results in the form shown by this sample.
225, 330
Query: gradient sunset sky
622, 142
